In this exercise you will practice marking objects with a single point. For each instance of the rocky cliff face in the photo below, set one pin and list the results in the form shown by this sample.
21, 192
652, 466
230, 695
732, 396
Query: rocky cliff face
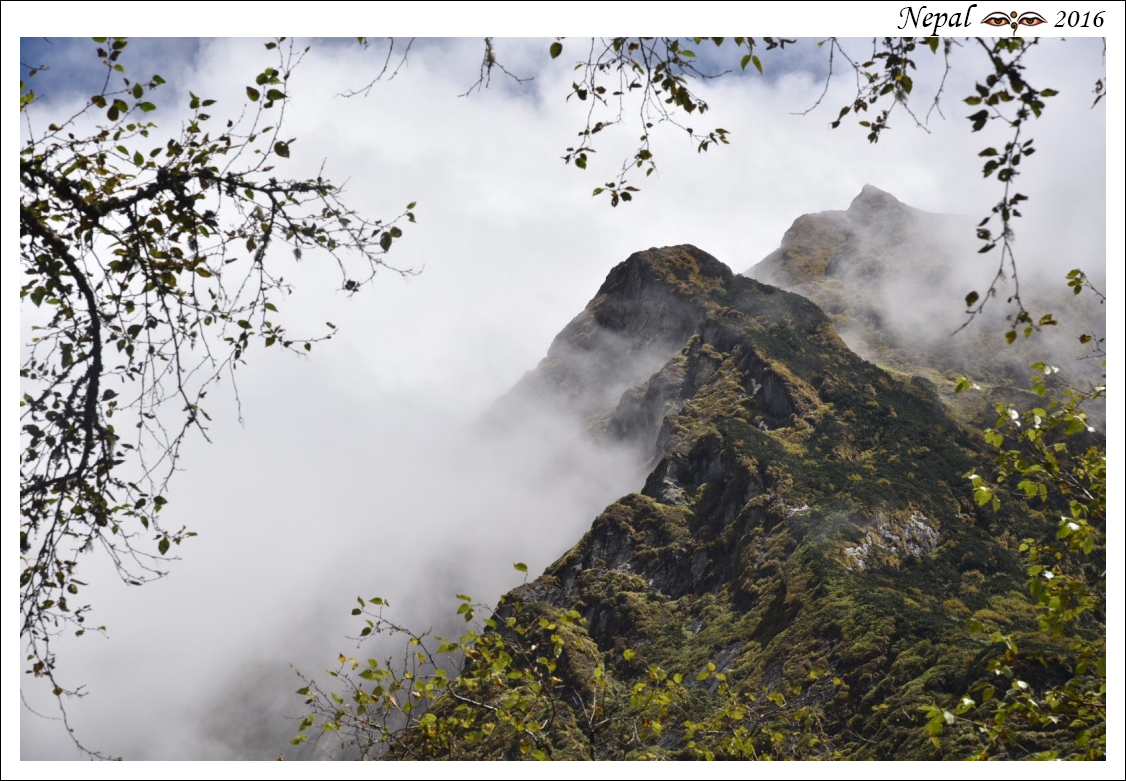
804, 509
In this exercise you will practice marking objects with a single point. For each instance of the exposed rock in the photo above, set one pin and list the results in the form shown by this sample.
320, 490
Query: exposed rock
914, 537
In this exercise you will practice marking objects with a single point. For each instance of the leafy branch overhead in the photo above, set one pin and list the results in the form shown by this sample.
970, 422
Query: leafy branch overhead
647, 82
642, 83
148, 262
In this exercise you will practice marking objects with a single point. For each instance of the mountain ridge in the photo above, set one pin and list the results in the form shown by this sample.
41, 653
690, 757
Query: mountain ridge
804, 509
805, 528
799, 498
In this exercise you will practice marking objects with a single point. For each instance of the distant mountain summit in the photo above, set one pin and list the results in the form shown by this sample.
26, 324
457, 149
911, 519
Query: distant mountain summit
875, 232
893, 279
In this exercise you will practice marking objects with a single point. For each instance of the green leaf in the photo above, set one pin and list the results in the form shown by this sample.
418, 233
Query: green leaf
281, 149
556, 49
253, 94
1075, 425
275, 94
146, 106
757, 62
520, 566
163, 546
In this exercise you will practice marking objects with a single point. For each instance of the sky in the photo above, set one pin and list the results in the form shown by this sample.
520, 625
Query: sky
358, 471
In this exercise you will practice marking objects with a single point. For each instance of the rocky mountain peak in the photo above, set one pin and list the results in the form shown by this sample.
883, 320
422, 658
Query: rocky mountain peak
684, 266
803, 524
873, 197
803, 508
651, 296
873, 207
894, 278
642, 314
602, 365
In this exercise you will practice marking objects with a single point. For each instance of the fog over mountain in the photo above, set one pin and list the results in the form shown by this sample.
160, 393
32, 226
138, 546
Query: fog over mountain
411, 457
893, 278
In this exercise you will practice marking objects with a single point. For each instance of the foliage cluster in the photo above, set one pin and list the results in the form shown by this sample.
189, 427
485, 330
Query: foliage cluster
1048, 454
145, 261
536, 687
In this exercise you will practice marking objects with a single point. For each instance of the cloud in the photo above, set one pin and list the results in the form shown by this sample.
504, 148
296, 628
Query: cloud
353, 473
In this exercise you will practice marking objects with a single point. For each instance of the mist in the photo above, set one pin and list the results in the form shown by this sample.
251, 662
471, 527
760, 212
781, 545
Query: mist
895, 280
378, 466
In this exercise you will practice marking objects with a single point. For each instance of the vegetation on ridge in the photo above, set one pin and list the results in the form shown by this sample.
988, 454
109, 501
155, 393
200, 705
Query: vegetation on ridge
804, 575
